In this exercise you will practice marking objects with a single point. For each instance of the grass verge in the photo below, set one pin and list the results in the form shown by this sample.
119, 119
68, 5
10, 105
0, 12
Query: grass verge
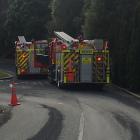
5, 114
3, 74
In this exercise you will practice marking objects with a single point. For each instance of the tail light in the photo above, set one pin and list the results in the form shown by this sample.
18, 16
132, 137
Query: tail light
99, 58
22, 71
64, 47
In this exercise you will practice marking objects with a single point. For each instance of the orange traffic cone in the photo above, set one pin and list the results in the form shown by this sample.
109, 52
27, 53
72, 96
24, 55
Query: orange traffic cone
14, 100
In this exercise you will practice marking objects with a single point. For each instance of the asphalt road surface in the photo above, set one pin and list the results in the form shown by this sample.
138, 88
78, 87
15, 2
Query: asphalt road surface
84, 113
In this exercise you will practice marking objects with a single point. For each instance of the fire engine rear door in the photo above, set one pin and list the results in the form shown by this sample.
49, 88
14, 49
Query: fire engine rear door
86, 68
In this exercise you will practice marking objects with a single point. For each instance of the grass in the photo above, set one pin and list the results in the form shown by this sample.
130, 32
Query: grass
3, 74
5, 114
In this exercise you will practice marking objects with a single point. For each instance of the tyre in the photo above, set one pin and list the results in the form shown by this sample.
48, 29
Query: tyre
51, 75
59, 84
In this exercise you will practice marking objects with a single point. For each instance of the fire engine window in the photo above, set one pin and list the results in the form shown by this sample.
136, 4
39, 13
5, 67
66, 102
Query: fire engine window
41, 54
41, 49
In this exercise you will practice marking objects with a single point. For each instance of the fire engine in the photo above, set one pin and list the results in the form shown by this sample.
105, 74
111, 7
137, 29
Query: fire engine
73, 61
31, 57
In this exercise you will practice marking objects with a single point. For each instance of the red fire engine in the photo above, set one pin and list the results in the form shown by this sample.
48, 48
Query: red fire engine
74, 62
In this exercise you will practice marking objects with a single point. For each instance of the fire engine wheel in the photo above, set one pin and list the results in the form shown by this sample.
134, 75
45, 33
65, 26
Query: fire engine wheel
59, 84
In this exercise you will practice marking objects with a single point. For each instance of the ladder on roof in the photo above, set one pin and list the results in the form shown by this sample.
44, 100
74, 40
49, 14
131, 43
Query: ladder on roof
65, 38
21, 39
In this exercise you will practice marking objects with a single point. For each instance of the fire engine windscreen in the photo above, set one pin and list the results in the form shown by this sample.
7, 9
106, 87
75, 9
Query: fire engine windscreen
41, 55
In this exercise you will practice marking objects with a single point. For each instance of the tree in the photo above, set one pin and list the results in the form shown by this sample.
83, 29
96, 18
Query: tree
67, 15
3, 14
116, 21
134, 59
23, 17
28, 18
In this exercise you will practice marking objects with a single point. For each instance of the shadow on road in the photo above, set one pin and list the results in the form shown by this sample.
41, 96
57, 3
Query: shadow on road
52, 128
84, 88
33, 77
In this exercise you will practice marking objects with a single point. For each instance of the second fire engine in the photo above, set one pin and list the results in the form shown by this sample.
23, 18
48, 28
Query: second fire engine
31, 57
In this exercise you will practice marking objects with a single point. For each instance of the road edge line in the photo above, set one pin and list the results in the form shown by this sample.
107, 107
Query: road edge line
127, 91
81, 127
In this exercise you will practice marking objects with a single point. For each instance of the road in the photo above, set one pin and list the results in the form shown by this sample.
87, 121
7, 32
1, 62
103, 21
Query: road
84, 113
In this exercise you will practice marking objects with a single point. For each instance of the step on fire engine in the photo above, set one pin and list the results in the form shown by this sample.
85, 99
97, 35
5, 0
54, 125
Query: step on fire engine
31, 57
73, 61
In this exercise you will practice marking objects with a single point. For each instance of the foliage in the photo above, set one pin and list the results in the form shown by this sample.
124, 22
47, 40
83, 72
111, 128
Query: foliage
3, 74
66, 15
23, 17
117, 21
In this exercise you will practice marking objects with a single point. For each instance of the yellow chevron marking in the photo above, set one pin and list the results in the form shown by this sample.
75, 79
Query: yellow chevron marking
24, 62
23, 58
74, 57
21, 55
67, 60
67, 55
25, 66
65, 79
20, 61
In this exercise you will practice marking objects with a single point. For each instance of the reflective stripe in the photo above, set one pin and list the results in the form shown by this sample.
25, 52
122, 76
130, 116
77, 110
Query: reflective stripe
70, 57
65, 79
18, 71
22, 60
70, 61
86, 51
64, 51
67, 59
108, 78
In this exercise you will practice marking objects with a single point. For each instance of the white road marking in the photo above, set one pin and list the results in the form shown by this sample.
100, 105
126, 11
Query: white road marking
129, 92
60, 103
20, 83
133, 94
81, 127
